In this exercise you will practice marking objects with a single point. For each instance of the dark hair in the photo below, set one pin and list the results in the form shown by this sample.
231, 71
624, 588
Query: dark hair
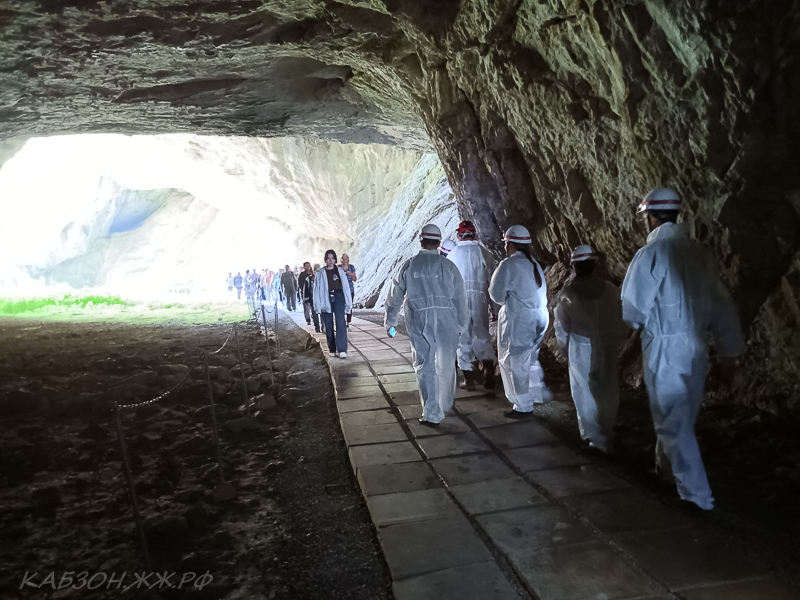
306, 263
335, 258
526, 250
665, 216
430, 244
584, 267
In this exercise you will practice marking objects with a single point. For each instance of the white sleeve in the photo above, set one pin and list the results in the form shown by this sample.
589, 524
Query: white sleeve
397, 294
639, 288
498, 287
562, 325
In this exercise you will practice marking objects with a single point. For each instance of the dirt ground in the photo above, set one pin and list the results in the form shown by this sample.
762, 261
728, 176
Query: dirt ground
752, 459
297, 528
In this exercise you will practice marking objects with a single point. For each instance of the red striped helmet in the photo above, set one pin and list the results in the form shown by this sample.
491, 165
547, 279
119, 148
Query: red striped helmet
517, 234
660, 199
430, 232
583, 252
466, 228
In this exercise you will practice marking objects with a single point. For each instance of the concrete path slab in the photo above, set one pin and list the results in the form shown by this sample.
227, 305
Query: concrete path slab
373, 434
381, 365
372, 417
624, 511
409, 507
577, 480
344, 383
381, 356
351, 372
450, 425
517, 435
401, 398
467, 406
497, 494
490, 418
398, 378
762, 589
458, 470
418, 548
393, 478
406, 386
384, 369
483, 581
582, 572
383, 454
452, 445
410, 411
360, 404
522, 531
687, 558
537, 458
358, 392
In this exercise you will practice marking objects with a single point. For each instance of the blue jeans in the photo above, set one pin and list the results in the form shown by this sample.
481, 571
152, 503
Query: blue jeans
337, 341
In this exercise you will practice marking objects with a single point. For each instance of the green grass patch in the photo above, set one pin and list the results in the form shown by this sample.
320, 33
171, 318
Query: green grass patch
15, 307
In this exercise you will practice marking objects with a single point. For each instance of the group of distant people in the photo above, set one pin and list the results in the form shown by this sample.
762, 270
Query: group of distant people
672, 293
326, 301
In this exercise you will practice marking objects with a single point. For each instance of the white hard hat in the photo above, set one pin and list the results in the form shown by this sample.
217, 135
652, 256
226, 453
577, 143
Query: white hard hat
583, 252
430, 232
517, 234
660, 199
447, 245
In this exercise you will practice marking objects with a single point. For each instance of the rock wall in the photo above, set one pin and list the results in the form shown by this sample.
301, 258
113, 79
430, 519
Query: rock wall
147, 215
558, 114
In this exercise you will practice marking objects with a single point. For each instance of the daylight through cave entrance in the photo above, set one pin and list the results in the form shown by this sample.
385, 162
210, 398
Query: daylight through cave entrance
149, 216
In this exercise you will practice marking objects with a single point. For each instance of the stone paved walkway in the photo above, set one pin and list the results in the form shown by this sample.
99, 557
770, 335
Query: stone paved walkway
488, 509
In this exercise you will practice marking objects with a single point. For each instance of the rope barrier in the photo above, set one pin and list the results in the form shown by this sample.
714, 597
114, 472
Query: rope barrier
230, 333
165, 394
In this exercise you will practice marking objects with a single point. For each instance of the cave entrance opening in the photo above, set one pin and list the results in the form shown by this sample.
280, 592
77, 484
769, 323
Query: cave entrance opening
169, 217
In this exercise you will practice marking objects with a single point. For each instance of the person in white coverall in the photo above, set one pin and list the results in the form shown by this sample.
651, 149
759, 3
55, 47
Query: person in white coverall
589, 328
518, 285
673, 293
431, 290
476, 265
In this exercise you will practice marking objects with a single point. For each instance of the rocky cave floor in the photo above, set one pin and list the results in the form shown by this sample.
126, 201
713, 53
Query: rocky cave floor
752, 458
298, 528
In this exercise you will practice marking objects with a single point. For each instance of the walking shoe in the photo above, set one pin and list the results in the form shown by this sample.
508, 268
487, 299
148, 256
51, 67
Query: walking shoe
331, 353
488, 374
308, 322
317, 330
515, 414
428, 423
469, 381
342, 354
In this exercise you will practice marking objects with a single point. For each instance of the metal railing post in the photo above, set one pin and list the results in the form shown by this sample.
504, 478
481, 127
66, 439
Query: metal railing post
241, 370
277, 338
213, 418
266, 338
129, 476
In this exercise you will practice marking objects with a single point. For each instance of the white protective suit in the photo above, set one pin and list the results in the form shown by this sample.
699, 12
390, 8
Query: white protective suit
589, 328
476, 266
436, 313
521, 326
673, 291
